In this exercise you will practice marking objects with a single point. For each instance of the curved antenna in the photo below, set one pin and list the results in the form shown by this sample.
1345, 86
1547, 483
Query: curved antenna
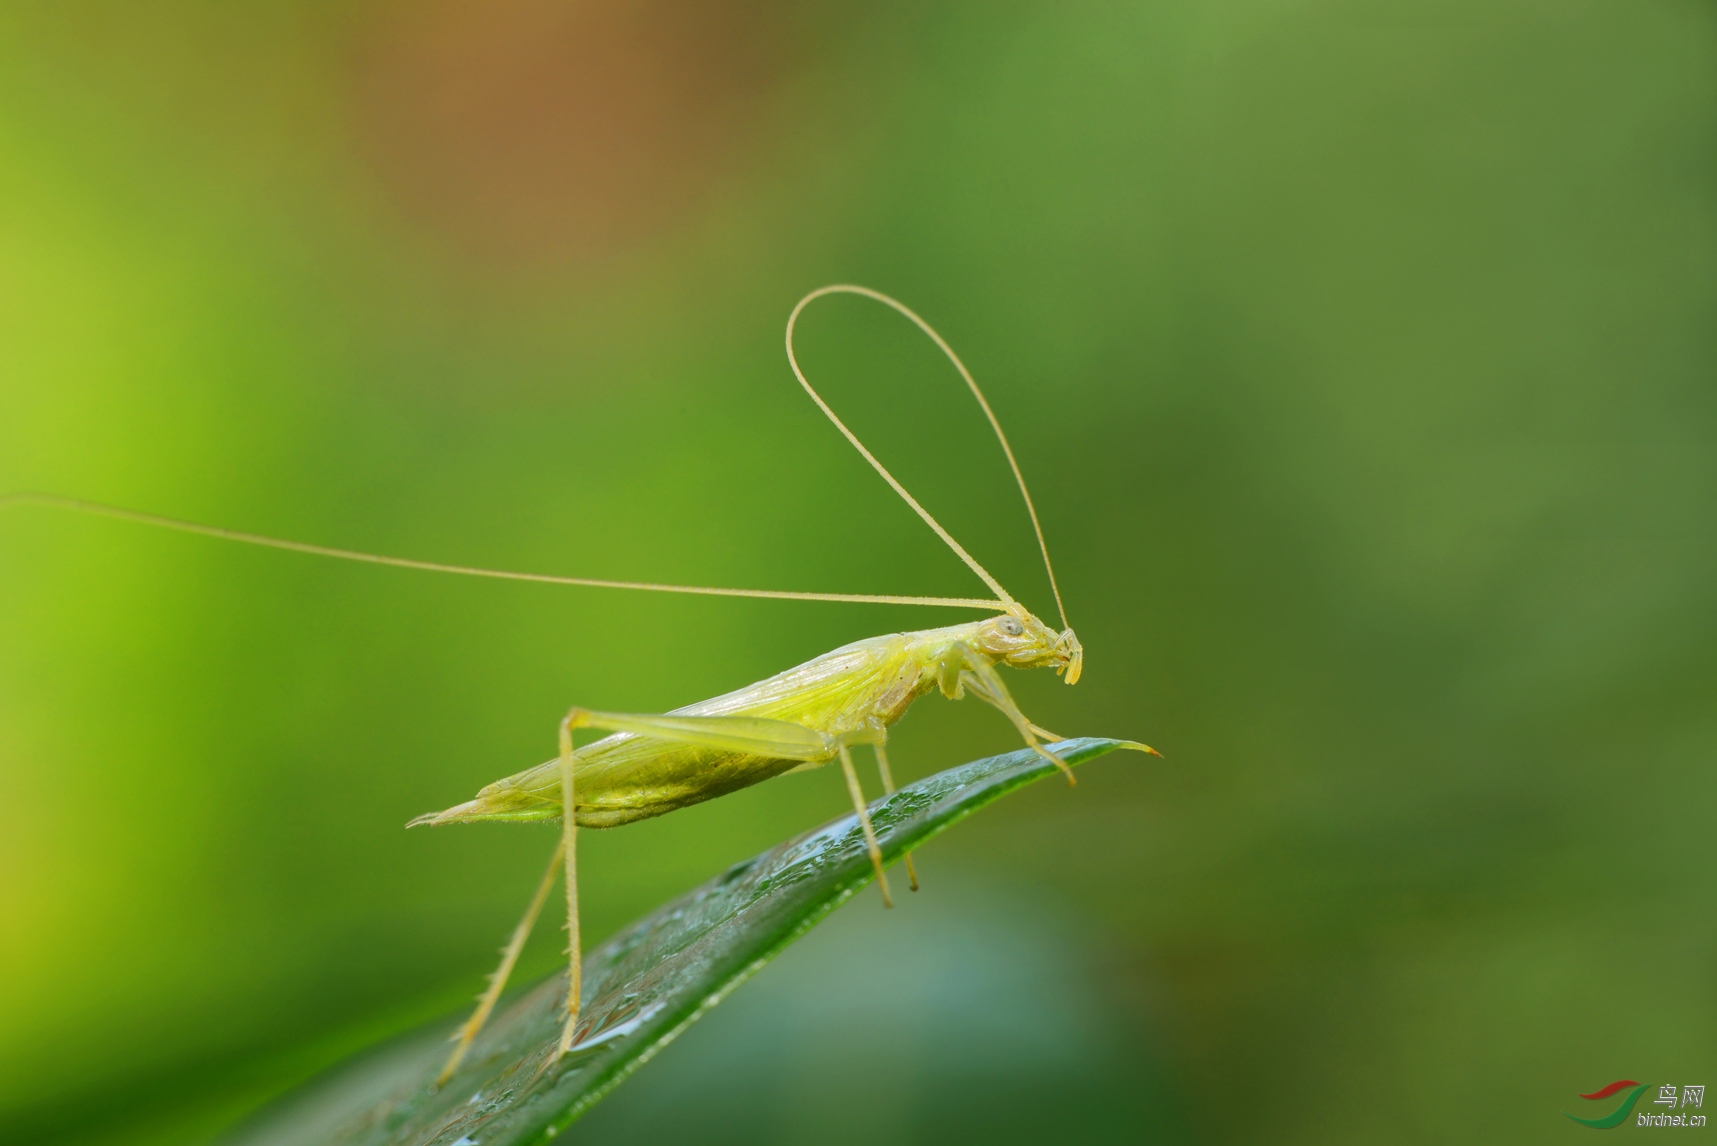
97, 508
983, 403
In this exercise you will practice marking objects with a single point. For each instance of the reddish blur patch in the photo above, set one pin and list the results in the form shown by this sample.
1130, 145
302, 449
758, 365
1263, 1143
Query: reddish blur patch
538, 130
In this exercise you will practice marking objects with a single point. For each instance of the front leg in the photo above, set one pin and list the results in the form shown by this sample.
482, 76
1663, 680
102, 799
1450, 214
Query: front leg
973, 670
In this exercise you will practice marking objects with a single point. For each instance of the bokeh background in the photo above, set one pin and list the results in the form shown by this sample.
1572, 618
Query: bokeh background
1362, 356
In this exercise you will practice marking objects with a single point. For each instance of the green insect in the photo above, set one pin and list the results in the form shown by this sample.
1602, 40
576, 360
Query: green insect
805, 717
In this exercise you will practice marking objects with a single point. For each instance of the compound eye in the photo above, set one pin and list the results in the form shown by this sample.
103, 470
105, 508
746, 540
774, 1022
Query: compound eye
1012, 627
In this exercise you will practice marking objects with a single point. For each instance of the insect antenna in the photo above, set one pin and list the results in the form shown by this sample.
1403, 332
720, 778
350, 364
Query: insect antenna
100, 509
1003, 599
983, 403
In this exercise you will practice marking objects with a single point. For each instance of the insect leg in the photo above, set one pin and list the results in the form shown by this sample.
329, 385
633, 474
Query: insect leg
864, 822
777, 738
510, 956
569, 845
980, 675
888, 789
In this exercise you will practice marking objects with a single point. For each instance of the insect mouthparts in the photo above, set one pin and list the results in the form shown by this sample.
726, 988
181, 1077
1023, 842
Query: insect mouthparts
1074, 653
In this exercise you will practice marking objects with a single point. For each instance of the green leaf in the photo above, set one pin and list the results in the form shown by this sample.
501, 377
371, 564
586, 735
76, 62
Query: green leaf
641, 988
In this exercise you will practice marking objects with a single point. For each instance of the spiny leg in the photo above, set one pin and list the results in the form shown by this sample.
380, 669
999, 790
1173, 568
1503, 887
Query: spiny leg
888, 789
569, 845
864, 822
509, 957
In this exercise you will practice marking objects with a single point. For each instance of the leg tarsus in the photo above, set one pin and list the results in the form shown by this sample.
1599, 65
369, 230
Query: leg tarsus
1058, 762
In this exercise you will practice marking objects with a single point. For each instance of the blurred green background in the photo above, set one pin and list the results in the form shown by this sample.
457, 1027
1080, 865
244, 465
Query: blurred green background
1361, 355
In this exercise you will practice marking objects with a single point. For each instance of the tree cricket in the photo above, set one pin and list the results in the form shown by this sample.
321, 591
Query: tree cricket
805, 717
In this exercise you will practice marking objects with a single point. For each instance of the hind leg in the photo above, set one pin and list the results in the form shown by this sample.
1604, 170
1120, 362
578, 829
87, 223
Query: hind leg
509, 957
732, 733
569, 848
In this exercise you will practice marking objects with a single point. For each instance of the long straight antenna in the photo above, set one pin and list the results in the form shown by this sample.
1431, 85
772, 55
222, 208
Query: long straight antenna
983, 403
78, 505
